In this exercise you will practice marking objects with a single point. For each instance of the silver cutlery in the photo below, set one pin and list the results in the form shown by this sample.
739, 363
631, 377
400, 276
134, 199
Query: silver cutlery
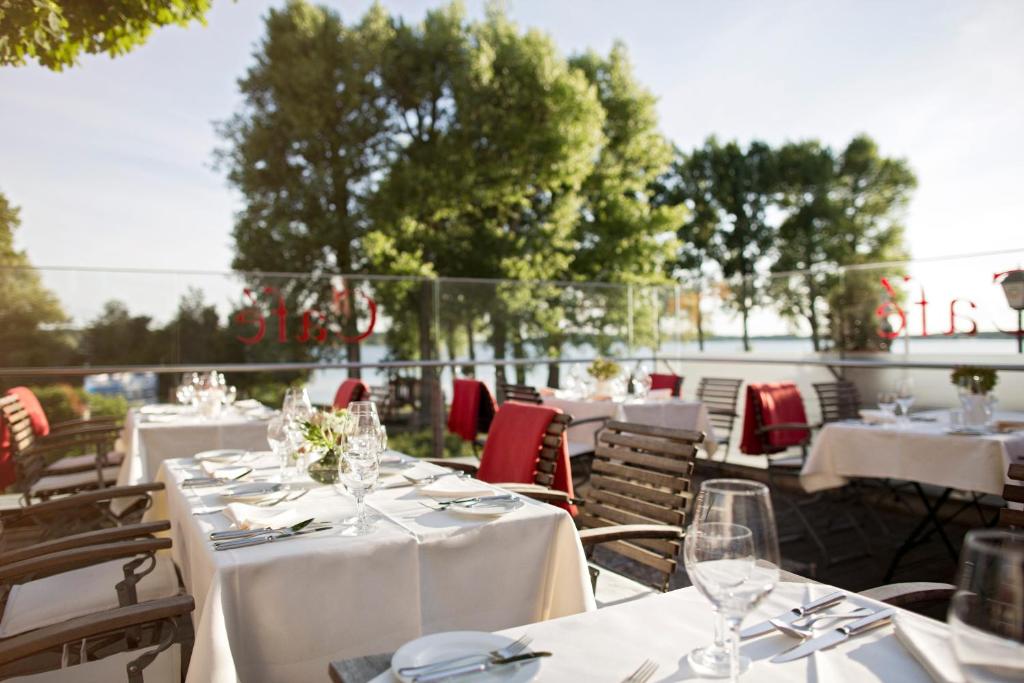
430, 478
643, 673
792, 615
836, 636
242, 533
805, 629
265, 538
509, 650
480, 667
471, 501
286, 498
198, 482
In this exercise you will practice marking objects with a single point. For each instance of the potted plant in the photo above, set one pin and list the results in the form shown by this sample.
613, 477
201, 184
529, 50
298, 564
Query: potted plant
975, 385
324, 435
603, 371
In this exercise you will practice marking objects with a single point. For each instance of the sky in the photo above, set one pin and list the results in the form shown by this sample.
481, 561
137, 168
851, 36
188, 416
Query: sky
111, 161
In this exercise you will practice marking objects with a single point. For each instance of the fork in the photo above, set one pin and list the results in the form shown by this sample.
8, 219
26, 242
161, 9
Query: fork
642, 674
283, 499
509, 650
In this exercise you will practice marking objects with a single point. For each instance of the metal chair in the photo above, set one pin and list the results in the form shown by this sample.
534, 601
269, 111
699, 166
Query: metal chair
519, 392
838, 401
721, 395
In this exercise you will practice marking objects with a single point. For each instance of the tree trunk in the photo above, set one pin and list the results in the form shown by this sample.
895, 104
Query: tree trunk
432, 405
700, 323
518, 348
745, 311
555, 368
500, 340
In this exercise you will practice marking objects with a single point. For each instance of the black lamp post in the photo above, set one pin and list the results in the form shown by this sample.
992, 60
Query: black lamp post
1013, 287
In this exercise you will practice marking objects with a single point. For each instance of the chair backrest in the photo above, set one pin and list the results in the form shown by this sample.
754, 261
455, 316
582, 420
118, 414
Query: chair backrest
31, 404
720, 395
519, 392
667, 381
472, 409
768, 407
352, 389
838, 400
642, 474
17, 438
1013, 493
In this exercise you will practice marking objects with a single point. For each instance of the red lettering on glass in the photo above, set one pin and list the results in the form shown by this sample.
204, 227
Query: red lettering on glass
953, 315
243, 318
890, 308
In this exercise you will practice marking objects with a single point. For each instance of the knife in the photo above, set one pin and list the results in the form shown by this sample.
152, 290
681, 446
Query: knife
480, 667
242, 533
789, 616
836, 636
264, 538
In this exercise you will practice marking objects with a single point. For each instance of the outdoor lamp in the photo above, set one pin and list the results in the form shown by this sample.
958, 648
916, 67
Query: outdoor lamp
1013, 287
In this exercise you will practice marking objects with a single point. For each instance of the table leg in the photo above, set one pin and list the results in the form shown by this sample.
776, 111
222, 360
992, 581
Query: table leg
918, 535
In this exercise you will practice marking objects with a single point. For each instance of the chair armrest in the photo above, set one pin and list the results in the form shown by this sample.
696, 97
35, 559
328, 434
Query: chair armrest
81, 427
541, 493
39, 640
76, 558
723, 411
466, 467
625, 532
65, 503
588, 420
100, 536
83, 421
69, 441
903, 594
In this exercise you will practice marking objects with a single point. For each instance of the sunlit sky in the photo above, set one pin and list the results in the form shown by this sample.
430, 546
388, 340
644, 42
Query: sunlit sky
111, 161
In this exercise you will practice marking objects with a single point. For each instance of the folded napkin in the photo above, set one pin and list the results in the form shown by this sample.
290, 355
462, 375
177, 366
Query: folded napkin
930, 643
163, 409
876, 417
261, 460
456, 487
244, 516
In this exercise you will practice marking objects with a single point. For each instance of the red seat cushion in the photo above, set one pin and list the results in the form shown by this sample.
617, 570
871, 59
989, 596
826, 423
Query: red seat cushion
350, 390
513, 447
778, 403
472, 408
673, 383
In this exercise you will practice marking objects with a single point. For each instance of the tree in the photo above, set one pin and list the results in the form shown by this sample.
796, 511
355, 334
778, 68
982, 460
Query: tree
31, 317
729, 190
55, 32
840, 210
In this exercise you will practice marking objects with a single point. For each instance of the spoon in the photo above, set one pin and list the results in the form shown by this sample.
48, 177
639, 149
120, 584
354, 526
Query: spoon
807, 629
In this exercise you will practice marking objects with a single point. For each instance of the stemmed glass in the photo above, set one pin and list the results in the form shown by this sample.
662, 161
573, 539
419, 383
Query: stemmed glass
642, 382
986, 614
366, 440
296, 410
731, 553
905, 398
887, 403
280, 444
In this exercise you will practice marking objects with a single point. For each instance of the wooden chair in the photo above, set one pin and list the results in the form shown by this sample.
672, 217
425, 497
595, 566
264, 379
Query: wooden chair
720, 395
352, 389
838, 401
110, 573
519, 392
639, 496
33, 459
1013, 493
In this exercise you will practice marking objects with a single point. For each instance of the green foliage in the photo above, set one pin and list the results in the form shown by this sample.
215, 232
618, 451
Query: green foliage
975, 379
603, 369
418, 444
55, 32
64, 402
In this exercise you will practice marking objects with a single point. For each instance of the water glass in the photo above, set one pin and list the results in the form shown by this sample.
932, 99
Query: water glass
297, 406
905, 398
986, 614
887, 402
360, 475
731, 553
642, 382
277, 438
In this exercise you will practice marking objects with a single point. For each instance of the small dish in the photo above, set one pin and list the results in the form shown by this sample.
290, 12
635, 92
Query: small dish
441, 646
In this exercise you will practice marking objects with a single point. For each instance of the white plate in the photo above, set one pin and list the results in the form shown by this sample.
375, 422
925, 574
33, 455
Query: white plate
494, 509
220, 455
440, 646
251, 490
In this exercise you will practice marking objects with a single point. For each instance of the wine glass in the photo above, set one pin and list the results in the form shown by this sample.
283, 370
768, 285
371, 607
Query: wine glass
905, 398
731, 553
230, 394
642, 382
986, 614
887, 403
277, 438
360, 475
297, 405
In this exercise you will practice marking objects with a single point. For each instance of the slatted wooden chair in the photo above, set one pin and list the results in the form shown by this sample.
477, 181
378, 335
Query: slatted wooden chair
720, 396
838, 401
1013, 493
35, 476
519, 392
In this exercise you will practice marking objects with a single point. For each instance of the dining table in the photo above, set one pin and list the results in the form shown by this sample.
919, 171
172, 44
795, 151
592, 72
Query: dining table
281, 611
669, 412
923, 449
608, 645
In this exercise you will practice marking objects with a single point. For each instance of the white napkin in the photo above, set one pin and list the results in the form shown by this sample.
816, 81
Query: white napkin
163, 409
244, 516
248, 403
876, 417
930, 643
456, 487
659, 394
262, 460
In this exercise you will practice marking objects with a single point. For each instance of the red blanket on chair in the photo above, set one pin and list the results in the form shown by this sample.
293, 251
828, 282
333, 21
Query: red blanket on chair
670, 382
28, 400
778, 403
472, 408
350, 390
513, 448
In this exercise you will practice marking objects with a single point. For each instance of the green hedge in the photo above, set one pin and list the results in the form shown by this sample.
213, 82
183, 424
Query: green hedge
65, 402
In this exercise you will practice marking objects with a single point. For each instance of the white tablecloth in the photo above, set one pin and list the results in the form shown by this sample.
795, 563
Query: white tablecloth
921, 451
282, 611
151, 439
608, 645
672, 413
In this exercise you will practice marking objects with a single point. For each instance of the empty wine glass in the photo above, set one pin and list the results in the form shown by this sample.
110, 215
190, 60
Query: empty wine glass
277, 438
986, 614
905, 398
297, 405
360, 475
642, 382
887, 403
731, 553
230, 394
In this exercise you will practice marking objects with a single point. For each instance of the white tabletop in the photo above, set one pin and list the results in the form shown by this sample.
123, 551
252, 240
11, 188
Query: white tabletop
921, 451
672, 413
607, 645
282, 611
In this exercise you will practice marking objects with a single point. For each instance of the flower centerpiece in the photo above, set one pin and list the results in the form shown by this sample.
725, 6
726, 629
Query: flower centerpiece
975, 385
324, 435
603, 371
